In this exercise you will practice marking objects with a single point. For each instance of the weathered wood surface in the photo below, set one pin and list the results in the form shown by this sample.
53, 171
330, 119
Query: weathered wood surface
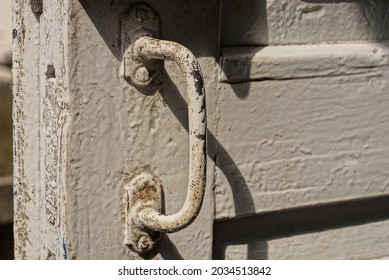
81, 130
289, 126
316, 128
285, 22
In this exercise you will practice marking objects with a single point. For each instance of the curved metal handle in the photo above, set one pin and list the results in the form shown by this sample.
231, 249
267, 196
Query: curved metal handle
149, 48
144, 219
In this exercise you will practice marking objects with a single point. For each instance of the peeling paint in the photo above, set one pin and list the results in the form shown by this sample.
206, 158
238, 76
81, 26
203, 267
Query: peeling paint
149, 48
38, 128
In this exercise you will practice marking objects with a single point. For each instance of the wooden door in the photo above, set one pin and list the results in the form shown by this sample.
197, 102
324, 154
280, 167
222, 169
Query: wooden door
297, 134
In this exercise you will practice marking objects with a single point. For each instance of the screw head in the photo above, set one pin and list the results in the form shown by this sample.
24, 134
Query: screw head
141, 14
145, 243
142, 76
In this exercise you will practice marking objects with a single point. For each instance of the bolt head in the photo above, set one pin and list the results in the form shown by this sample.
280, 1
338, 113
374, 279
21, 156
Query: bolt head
141, 14
145, 243
142, 76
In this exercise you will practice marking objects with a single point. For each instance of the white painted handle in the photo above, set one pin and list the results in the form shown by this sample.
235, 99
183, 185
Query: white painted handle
149, 48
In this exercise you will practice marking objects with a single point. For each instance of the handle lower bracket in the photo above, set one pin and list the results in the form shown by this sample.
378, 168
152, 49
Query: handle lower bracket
143, 191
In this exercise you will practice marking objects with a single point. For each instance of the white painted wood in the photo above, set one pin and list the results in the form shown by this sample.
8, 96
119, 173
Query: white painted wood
366, 241
284, 22
135, 130
81, 130
241, 65
316, 133
304, 128
40, 110
26, 130
289, 126
358, 241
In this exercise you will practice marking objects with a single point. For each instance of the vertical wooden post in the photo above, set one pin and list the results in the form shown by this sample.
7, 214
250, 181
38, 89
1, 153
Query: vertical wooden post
81, 131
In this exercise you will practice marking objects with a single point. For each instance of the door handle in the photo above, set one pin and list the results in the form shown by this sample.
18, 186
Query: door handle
144, 217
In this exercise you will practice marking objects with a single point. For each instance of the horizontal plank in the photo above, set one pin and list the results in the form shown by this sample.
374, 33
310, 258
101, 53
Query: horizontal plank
301, 61
365, 241
303, 141
352, 229
283, 22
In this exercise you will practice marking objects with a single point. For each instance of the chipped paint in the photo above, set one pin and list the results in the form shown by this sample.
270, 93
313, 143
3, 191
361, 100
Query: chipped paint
149, 48
277, 140
39, 118
110, 129
22, 196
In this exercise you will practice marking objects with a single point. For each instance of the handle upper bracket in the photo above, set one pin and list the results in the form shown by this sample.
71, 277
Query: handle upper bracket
140, 21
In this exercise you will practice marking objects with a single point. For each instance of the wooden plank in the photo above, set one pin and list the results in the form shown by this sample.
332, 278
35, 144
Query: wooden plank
285, 22
364, 241
241, 65
312, 137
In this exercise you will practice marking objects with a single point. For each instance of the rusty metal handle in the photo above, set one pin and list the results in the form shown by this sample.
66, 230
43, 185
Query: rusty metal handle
147, 48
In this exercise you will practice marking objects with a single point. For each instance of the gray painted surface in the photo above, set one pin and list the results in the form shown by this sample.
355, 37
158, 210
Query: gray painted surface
317, 128
285, 22
288, 126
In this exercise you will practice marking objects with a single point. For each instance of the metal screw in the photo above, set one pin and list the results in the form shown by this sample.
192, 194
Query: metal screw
142, 76
145, 243
141, 14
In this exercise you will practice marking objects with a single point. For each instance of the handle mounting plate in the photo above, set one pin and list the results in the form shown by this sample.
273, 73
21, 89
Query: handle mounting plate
138, 22
143, 191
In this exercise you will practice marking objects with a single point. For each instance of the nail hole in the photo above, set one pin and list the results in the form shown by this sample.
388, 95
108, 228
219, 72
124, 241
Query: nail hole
50, 71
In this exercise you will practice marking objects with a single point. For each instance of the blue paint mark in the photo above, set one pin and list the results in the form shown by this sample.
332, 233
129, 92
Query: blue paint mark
65, 255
